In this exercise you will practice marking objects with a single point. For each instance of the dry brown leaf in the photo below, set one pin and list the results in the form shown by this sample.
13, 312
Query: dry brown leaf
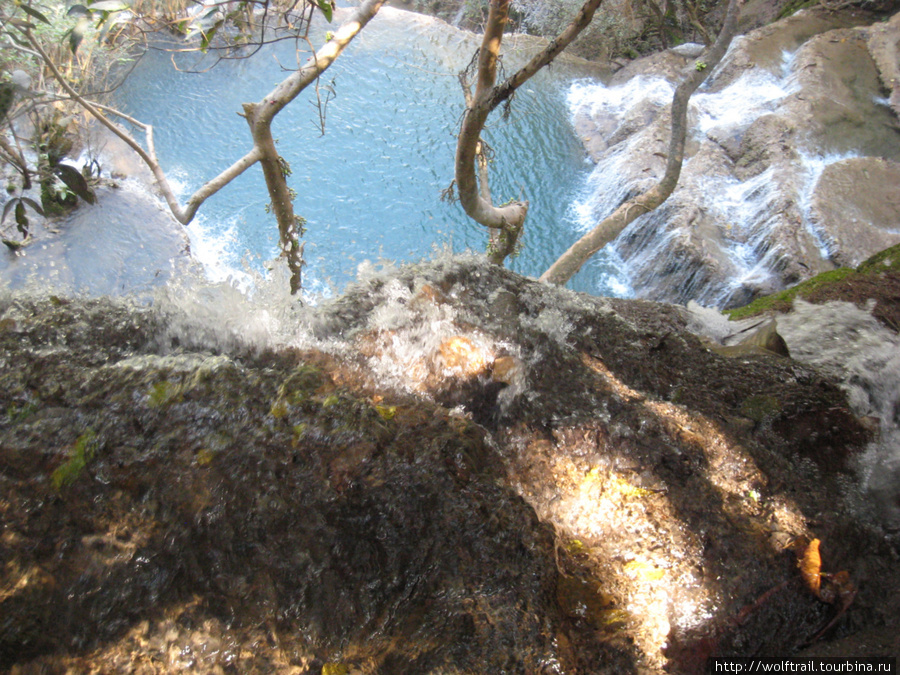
811, 567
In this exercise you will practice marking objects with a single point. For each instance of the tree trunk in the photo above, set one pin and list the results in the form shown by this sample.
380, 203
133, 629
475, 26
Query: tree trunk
282, 203
568, 264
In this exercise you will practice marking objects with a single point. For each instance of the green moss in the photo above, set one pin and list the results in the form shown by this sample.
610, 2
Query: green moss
164, 393
782, 300
16, 413
795, 6
887, 260
279, 409
335, 669
760, 407
330, 401
300, 385
297, 391
82, 453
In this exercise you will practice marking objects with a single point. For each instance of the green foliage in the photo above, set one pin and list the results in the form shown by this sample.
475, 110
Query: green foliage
17, 205
33, 13
85, 15
7, 96
61, 185
326, 7
75, 182
285, 166
82, 452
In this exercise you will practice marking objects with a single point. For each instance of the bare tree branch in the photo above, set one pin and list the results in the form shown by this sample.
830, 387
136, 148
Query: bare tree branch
610, 227
505, 222
259, 117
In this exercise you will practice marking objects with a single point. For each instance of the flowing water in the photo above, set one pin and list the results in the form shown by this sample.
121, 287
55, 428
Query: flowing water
716, 112
370, 187
742, 212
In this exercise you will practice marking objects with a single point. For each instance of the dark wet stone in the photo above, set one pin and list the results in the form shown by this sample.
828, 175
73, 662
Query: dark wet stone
259, 510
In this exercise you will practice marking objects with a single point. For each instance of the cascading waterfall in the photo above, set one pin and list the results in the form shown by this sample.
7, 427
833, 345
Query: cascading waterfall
746, 208
741, 214
813, 166
754, 93
627, 109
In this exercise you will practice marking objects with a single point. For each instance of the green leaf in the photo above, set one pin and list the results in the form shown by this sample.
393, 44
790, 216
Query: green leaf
76, 35
7, 96
78, 10
19, 41
21, 219
208, 35
35, 14
327, 8
20, 24
6, 209
104, 16
12, 244
33, 204
75, 182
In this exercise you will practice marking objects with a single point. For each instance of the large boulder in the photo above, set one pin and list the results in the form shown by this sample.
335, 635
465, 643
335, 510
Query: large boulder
448, 468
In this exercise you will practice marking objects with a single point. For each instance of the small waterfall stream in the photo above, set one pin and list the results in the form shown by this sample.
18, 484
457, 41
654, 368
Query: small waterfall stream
814, 167
849, 344
748, 215
743, 207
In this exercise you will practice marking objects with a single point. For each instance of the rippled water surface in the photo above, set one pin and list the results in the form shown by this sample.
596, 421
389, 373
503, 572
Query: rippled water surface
370, 186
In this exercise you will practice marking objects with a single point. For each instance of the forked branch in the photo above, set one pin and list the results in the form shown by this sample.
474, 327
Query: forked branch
568, 264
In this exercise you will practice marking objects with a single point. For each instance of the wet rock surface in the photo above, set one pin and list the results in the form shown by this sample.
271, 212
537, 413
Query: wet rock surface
454, 469
790, 169
195, 511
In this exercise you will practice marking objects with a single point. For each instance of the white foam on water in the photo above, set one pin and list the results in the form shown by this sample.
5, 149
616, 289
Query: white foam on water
604, 190
746, 206
812, 167
213, 246
753, 94
588, 97
747, 209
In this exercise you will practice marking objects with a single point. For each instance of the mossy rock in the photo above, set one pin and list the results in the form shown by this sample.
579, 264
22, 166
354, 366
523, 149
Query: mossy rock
877, 277
782, 300
760, 407
887, 260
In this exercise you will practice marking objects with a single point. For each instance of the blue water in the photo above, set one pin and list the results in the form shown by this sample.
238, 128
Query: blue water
370, 187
